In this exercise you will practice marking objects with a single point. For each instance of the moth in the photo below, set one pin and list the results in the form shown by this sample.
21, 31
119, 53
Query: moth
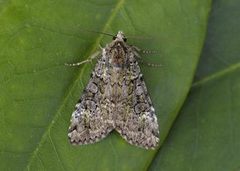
115, 98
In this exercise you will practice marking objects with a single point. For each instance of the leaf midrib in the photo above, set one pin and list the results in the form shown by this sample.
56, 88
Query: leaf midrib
58, 113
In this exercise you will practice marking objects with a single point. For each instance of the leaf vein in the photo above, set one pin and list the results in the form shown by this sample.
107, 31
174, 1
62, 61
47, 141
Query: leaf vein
216, 75
55, 150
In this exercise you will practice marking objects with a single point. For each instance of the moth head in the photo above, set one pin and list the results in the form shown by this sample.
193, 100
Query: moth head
120, 37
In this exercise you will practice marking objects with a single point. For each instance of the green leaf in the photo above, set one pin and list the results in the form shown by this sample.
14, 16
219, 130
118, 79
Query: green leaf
38, 93
206, 134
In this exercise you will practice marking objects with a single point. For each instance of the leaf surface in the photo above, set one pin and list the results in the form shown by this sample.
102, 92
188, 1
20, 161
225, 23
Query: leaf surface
205, 136
38, 93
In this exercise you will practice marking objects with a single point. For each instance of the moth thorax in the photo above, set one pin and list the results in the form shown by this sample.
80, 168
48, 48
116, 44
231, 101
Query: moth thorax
118, 55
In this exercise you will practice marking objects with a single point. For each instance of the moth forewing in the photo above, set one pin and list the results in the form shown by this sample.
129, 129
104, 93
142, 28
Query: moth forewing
116, 97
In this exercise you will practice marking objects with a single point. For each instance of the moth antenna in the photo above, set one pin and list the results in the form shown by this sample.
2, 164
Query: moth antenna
107, 34
140, 37
98, 32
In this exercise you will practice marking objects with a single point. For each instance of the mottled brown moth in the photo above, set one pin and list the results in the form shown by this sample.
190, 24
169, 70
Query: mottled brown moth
115, 98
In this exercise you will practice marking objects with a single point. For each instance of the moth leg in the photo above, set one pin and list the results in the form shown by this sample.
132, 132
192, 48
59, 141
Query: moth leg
151, 64
135, 48
138, 50
100, 46
149, 51
90, 58
140, 60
